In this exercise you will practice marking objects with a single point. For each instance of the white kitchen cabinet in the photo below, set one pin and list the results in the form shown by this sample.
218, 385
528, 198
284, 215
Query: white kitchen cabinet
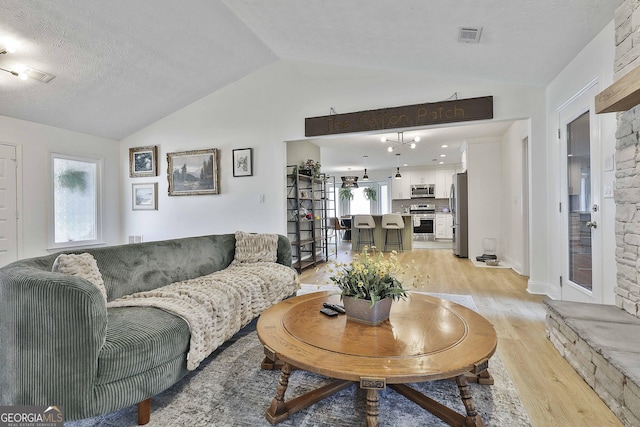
443, 225
423, 176
401, 188
443, 179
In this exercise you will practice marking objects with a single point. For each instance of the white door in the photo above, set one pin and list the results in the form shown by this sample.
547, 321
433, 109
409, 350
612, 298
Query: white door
580, 199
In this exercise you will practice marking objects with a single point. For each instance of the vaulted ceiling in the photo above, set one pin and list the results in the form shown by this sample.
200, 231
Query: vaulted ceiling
121, 65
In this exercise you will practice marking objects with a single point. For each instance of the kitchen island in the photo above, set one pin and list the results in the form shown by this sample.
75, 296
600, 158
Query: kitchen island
379, 232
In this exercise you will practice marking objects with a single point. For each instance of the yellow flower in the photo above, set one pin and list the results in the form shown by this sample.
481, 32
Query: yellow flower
371, 275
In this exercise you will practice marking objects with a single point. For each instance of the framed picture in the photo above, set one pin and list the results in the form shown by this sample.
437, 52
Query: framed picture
193, 172
143, 161
144, 196
243, 162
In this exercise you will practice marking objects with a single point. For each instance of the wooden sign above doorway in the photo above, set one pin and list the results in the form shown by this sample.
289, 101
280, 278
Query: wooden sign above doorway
433, 113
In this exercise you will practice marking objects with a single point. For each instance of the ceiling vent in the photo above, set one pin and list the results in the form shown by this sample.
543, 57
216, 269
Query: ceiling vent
41, 76
469, 34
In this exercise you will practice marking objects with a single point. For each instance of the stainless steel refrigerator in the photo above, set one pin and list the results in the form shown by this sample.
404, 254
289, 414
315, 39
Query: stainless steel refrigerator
459, 207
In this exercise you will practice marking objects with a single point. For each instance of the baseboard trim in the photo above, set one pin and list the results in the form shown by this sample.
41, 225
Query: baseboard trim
537, 288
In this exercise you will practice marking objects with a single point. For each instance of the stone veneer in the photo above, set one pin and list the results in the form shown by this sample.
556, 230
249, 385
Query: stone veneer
627, 190
602, 344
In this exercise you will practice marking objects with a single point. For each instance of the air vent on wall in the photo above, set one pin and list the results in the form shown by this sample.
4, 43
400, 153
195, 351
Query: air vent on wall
469, 34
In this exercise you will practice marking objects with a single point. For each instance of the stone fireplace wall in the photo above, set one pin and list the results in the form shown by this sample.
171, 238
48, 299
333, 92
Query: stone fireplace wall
627, 190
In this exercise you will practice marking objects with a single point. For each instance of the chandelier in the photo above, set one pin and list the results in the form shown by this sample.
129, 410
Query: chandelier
400, 142
349, 181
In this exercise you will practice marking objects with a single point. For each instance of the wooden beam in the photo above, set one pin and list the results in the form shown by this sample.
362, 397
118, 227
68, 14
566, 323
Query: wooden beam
623, 95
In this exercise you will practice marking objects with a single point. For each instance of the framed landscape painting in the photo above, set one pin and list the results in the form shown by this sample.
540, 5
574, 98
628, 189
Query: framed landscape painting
143, 161
193, 172
144, 196
243, 162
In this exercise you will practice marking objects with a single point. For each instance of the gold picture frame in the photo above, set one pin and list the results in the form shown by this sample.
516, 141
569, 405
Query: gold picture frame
192, 173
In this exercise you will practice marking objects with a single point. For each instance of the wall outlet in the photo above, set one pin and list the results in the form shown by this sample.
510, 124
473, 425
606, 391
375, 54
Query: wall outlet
135, 238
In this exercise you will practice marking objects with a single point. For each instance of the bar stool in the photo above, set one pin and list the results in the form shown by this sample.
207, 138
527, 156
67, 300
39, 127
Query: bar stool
362, 223
393, 222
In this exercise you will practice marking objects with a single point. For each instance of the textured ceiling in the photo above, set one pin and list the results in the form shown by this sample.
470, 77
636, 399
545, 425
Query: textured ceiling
121, 65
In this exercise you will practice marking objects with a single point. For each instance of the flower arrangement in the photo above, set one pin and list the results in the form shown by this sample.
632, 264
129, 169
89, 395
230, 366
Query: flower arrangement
370, 275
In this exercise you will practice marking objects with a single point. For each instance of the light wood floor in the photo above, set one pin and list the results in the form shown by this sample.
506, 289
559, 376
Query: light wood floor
552, 392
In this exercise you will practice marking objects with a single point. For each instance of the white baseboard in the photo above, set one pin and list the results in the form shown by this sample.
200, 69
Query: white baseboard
537, 288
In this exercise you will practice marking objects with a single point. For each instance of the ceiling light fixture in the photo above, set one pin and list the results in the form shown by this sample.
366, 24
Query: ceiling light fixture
398, 176
19, 74
349, 181
24, 73
400, 141
365, 177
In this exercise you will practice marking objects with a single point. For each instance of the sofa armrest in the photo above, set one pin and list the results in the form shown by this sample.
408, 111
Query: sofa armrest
52, 328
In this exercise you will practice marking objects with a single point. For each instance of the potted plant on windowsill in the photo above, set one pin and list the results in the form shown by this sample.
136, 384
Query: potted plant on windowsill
369, 284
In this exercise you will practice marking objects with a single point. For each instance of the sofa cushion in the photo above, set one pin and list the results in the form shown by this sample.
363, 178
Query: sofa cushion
255, 247
81, 265
139, 339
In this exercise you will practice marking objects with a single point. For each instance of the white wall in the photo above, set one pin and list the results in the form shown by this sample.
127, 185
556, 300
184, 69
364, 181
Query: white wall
512, 209
268, 107
594, 61
36, 142
484, 177
301, 151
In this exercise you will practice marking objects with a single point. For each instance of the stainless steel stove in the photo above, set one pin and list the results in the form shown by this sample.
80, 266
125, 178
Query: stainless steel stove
424, 221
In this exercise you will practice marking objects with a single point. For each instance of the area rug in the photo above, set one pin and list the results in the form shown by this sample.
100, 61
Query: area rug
230, 389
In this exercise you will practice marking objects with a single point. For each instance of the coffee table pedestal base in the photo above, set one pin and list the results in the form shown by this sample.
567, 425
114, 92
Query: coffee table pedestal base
280, 410
441, 411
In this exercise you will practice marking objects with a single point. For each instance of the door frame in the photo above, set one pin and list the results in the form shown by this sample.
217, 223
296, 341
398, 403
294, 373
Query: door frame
583, 101
19, 197
525, 207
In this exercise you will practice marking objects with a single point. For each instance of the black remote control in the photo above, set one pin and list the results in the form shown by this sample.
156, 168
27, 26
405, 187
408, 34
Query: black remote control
328, 312
334, 307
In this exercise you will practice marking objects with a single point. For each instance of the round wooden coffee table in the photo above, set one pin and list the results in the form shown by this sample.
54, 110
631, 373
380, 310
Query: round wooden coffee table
425, 339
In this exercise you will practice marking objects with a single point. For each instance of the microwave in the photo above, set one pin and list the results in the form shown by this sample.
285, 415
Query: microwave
423, 190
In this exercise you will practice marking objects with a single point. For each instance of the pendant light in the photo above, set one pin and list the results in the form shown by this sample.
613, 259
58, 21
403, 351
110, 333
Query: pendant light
349, 181
365, 177
398, 176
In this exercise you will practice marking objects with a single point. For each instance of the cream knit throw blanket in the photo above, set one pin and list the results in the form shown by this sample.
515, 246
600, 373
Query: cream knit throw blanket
218, 305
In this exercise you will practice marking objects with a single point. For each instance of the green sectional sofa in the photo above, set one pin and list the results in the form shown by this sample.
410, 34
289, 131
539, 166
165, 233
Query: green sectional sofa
60, 343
